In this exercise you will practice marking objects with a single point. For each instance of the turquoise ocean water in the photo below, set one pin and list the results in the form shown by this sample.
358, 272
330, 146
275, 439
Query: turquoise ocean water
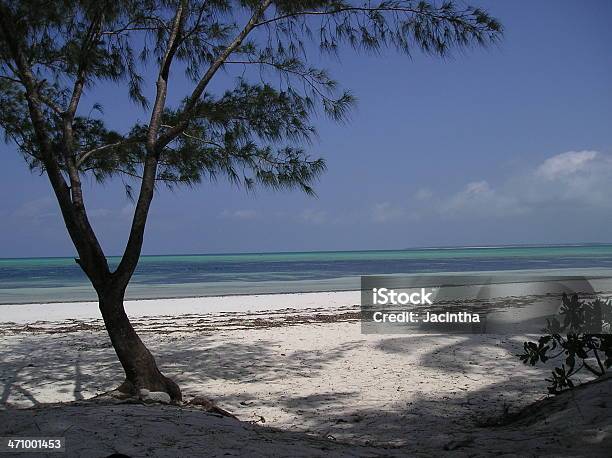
36, 280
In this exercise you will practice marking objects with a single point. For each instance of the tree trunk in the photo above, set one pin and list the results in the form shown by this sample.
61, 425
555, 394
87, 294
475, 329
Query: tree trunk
138, 363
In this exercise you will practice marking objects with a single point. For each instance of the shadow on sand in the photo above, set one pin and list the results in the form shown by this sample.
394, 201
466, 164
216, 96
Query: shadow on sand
81, 365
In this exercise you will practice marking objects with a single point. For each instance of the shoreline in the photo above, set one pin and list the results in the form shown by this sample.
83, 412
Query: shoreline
61, 311
516, 284
201, 296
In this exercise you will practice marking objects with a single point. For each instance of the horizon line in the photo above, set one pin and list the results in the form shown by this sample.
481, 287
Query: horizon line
418, 248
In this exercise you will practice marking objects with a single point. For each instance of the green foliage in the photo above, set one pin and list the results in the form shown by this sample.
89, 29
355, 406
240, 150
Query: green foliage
255, 132
582, 346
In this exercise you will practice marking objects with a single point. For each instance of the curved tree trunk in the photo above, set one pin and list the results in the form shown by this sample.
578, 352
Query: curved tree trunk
138, 363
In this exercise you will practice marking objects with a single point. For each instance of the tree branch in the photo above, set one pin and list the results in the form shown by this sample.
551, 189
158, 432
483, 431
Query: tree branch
68, 115
191, 103
162, 80
133, 247
85, 155
90, 252
129, 27
89, 41
8, 78
51, 104
193, 137
304, 75
355, 9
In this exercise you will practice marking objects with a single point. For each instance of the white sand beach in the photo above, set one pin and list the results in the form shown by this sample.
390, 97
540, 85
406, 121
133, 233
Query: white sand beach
30, 313
297, 363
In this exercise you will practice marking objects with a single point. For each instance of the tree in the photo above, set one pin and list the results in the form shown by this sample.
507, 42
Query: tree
52, 52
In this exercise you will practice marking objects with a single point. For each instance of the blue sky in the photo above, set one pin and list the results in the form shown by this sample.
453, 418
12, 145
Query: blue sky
512, 144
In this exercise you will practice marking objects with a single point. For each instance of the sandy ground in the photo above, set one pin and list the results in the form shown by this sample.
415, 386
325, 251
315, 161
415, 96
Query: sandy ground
308, 373
29, 313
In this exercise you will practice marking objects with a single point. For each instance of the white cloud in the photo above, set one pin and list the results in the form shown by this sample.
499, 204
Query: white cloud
423, 194
478, 188
567, 181
128, 209
565, 164
313, 216
479, 198
99, 212
570, 179
36, 210
239, 214
385, 212
46, 209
